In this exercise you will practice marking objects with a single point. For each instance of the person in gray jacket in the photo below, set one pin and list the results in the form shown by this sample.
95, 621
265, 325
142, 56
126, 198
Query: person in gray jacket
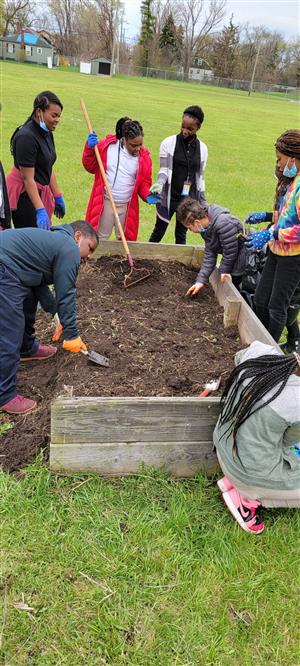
31, 259
222, 234
257, 436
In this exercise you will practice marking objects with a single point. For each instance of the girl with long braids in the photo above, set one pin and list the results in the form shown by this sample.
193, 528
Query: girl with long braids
257, 436
32, 187
281, 273
128, 168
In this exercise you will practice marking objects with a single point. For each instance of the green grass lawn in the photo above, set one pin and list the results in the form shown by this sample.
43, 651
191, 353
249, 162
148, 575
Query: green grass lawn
142, 571
239, 131
145, 571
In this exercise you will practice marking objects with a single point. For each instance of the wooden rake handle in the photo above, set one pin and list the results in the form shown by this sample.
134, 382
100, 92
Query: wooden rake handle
106, 183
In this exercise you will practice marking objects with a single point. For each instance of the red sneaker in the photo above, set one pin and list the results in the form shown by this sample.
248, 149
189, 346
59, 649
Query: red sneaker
42, 352
19, 405
244, 511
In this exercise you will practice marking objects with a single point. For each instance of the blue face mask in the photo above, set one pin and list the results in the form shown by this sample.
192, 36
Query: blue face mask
201, 230
43, 125
290, 172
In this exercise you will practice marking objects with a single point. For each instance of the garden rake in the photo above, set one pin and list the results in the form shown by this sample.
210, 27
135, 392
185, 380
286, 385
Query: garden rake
136, 274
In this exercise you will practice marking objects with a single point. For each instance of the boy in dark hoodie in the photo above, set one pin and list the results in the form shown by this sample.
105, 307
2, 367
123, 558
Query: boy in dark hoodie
222, 234
31, 259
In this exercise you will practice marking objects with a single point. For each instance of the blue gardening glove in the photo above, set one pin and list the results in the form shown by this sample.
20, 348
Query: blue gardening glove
60, 208
255, 218
92, 140
42, 219
259, 239
153, 198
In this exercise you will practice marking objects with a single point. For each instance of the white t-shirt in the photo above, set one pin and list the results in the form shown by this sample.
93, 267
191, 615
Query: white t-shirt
122, 181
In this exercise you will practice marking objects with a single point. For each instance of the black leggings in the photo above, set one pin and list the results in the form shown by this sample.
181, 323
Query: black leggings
279, 279
25, 214
161, 228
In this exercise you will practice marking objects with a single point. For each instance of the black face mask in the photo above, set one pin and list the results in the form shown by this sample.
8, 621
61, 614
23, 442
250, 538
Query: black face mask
189, 139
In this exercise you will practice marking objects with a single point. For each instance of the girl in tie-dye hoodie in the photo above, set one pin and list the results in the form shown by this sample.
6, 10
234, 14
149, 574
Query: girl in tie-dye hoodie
281, 274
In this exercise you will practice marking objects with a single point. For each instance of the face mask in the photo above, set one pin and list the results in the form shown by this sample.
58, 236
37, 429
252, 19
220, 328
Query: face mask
43, 124
201, 230
290, 172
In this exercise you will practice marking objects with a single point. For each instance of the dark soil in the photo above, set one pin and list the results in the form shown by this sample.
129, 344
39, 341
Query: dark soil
159, 344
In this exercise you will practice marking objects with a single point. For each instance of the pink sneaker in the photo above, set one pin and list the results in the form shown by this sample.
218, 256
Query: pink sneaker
42, 352
224, 484
244, 511
19, 405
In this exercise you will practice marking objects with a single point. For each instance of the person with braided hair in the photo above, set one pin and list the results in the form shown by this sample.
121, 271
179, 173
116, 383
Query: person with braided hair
32, 187
257, 436
293, 332
281, 273
128, 168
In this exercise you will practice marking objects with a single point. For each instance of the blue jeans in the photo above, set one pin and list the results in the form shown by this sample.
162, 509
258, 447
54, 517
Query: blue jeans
17, 335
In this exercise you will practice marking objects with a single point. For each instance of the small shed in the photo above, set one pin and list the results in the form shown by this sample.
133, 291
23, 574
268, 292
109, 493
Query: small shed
100, 66
28, 46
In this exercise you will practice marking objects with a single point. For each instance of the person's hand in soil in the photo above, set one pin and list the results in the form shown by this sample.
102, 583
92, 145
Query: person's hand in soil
74, 345
224, 277
192, 291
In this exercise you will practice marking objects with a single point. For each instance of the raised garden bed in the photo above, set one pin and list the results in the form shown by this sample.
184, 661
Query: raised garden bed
169, 348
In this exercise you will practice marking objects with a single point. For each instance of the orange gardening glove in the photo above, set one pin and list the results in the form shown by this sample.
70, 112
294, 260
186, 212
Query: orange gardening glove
224, 277
58, 333
192, 291
74, 345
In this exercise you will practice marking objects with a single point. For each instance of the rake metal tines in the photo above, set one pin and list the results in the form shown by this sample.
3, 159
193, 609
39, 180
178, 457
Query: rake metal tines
132, 278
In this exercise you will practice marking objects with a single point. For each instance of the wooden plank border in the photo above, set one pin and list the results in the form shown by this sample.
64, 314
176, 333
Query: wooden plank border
115, 436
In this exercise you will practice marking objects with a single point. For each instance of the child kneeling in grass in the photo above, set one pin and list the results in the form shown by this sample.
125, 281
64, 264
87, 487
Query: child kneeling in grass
221, 232
257, 436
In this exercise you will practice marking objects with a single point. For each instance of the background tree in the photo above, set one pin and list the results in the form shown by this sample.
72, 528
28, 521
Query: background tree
170, 40
147, 30
16, 13
198, 19
64, 15
225, 51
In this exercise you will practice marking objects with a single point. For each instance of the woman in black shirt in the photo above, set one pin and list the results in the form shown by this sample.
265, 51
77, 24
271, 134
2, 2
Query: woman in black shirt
32, 186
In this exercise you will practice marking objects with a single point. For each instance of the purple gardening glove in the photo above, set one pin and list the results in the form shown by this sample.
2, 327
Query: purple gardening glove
42, 219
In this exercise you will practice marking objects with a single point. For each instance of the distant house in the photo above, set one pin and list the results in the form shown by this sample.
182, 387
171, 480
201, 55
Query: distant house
28, 46
200, 70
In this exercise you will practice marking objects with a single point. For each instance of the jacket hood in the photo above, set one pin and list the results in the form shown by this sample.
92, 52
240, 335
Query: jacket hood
214, 211
64, 228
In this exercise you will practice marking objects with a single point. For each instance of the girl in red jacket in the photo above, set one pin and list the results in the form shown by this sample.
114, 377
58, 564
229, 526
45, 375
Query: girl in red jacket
128, 169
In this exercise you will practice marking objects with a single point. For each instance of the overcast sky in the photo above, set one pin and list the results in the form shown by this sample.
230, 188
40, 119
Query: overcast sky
280, 15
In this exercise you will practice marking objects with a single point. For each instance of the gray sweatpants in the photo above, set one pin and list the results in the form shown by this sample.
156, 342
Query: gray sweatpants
270, 498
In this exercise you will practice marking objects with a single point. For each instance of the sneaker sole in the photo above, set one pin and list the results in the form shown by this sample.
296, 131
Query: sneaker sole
26, 411
236, 514
36, 358
223, 487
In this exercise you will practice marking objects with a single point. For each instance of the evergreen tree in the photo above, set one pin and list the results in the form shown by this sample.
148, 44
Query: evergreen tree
170, 40
147, 30
224, 52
